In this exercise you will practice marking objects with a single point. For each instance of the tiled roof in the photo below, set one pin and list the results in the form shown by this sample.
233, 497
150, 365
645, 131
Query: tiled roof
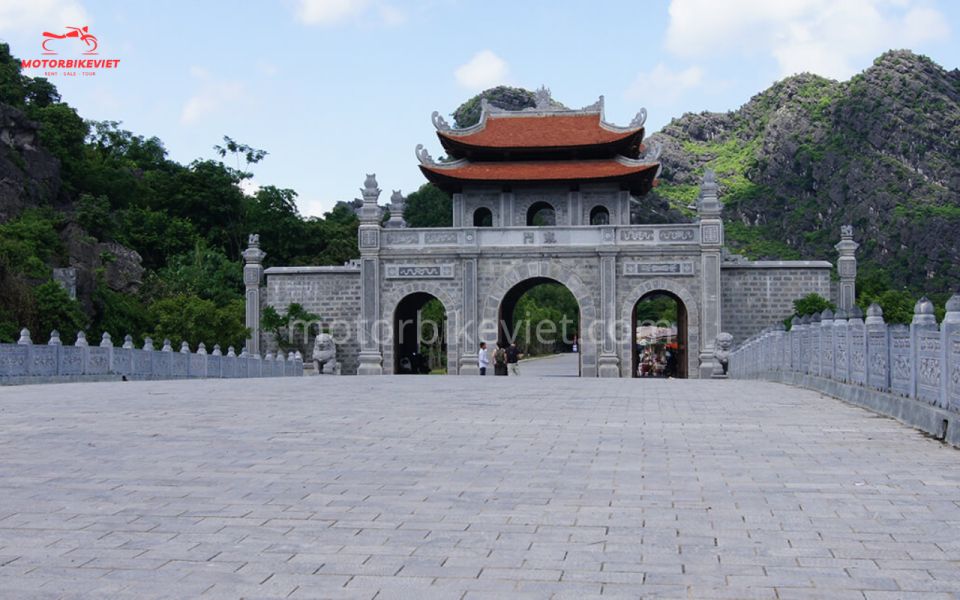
637, 177
540, 130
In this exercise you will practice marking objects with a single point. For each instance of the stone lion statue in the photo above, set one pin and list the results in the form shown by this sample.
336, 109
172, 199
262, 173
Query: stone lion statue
722, 346
325, 354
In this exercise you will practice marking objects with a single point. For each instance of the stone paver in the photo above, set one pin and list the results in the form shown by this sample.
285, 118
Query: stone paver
457, 487
557, 365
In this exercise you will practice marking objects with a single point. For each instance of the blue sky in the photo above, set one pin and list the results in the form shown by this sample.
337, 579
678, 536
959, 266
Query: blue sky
334, 89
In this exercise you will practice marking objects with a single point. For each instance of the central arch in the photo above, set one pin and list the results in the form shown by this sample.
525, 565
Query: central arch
540, 271
541, 214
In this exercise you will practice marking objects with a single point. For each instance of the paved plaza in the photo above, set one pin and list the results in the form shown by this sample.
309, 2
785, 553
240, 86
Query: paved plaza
462, 487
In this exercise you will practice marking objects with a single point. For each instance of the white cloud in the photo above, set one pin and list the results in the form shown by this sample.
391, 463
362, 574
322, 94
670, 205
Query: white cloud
42, 15
484, 70
335, 12
663, 85
213, 96
827, 37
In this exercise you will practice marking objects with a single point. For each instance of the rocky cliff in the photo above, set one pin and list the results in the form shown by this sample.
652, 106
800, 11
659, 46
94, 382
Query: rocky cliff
880, 151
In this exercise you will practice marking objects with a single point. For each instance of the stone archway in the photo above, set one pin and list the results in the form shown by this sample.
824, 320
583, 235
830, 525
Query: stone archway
683, 295
391, 300
490, 311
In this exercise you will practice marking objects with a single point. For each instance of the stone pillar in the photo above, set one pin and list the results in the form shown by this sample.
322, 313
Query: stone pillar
826, 344
950, 330
470, 344
252, 276
370, 330
847, 267
927, 353
711, 243
878, 349
397, 206
608, 364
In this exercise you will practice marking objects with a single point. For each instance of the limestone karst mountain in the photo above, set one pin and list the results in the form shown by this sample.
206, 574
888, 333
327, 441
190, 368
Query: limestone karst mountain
880, 151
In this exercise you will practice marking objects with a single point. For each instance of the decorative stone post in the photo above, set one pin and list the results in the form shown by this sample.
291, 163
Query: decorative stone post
371, 355
252, 275
950, 330
711, 243
469, 325
847, 267
927, 353
397, 206
878, 349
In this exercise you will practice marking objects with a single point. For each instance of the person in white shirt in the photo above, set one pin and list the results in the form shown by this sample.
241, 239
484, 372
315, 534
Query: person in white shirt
483, 358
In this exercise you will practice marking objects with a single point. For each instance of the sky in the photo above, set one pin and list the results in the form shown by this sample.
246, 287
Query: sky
335, 89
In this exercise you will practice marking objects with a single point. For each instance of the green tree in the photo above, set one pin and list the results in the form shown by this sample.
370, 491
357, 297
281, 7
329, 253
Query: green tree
897, 305
56, 310
429, 206
12, 83
192, 319
30, 242
204, 272
288, 328
812, 304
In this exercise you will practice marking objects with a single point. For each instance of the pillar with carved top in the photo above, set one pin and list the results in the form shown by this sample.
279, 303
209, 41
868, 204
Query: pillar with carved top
711, 243
371, 329
847, 267
252, 276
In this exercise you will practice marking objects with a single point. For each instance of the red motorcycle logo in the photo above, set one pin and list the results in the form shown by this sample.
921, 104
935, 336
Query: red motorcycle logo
82, 33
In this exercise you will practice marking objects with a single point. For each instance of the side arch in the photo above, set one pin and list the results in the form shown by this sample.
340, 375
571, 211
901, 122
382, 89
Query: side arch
693, 321
392, 297
491, 301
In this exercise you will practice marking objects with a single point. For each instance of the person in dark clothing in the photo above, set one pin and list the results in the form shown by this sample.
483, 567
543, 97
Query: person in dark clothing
500, 361
513, 358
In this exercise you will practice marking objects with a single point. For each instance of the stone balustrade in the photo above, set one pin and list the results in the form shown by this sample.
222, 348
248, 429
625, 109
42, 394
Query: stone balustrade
877, 362
26, 362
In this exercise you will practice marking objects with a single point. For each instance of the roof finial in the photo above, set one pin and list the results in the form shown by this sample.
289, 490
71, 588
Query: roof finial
439, 122
542, 98
423, 156
639, 119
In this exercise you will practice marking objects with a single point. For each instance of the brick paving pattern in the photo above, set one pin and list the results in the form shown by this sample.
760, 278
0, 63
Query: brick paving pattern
456, 487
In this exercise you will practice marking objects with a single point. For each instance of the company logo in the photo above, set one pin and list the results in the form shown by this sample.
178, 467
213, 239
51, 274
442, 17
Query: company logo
81, 33
76, 40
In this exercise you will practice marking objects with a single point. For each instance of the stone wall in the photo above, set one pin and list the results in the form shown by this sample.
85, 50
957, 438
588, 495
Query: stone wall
26, 362
755, 294
912, 373
331, 292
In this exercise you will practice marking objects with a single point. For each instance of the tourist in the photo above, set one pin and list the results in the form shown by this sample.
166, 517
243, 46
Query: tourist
483, 359
500, 361
513, 358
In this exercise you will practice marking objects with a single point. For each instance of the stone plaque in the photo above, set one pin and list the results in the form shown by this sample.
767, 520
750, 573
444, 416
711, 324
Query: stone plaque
877, 358
636, 268
440, 237
636, 235
953, 376
403, 238
711, 234
841, 366
414, 271
678, 235
901, 358
368, 238
929, 368
858, 349
13, 360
